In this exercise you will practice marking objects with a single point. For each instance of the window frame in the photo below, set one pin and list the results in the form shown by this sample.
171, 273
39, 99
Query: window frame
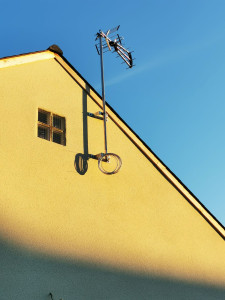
50, 128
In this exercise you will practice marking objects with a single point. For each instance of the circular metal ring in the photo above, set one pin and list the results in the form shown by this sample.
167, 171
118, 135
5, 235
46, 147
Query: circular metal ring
106, 159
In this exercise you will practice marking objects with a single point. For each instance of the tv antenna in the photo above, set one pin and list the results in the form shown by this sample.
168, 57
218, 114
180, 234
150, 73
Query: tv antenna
108, 41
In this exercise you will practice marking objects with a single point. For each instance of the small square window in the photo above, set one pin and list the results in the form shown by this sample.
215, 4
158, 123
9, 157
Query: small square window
51, 127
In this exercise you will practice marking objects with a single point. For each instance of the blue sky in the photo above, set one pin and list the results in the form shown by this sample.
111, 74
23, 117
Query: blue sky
174, 98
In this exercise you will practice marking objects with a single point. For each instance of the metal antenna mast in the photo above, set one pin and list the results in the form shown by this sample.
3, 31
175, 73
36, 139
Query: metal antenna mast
115, 42
103, 91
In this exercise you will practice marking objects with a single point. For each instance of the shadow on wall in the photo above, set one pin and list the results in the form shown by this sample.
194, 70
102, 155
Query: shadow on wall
81, 163
25, 276
81, 160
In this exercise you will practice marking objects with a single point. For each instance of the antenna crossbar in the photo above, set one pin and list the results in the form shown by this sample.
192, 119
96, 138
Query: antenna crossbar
116, 44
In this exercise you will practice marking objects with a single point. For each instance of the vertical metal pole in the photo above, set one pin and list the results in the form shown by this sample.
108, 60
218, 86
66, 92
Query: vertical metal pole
103, 92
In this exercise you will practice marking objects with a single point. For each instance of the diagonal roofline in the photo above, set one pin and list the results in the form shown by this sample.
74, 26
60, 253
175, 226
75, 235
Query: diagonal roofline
125, 128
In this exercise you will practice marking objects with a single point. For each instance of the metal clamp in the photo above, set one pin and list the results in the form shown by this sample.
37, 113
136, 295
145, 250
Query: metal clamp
97, 115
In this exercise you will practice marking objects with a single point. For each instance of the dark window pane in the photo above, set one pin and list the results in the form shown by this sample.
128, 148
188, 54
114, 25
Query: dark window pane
57, 138
43, 117
58, 122
43, 133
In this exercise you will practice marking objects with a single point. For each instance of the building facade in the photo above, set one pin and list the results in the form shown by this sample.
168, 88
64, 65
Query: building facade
67, 230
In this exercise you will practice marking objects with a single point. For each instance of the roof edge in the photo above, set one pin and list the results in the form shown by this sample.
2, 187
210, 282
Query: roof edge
25, 58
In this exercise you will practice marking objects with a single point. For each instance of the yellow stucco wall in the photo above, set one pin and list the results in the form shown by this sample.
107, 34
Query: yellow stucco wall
133, 220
